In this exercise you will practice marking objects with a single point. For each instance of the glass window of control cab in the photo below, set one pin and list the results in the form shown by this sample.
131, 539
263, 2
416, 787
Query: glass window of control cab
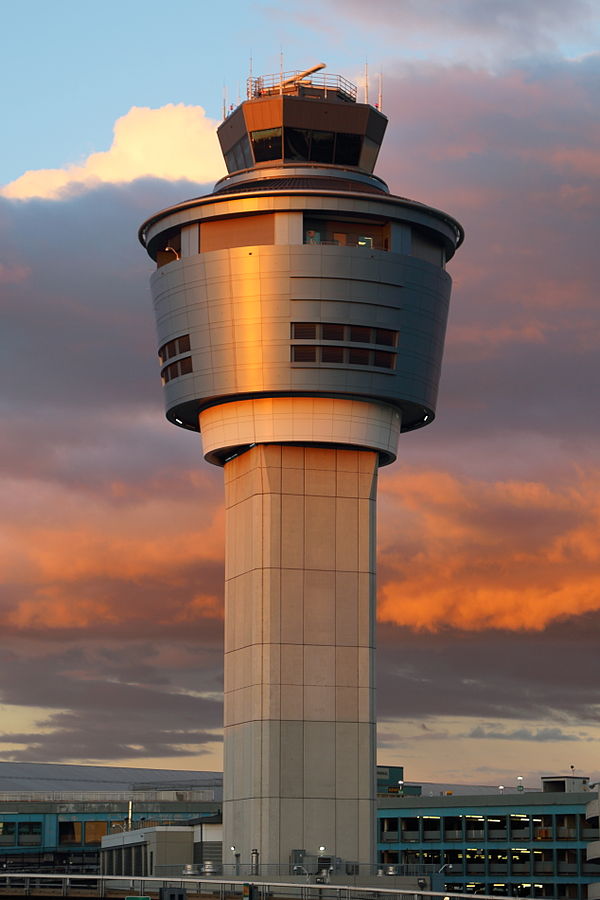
266, 144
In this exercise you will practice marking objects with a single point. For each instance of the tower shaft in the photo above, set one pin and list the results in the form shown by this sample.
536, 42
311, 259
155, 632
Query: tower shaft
299, 647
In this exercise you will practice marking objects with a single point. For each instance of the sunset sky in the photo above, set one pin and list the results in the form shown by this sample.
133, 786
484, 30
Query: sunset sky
111, 546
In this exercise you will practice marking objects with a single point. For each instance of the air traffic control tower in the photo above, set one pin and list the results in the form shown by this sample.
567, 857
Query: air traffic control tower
301, 311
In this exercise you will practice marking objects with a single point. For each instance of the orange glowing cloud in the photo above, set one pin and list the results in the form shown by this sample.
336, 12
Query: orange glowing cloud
105, 564
476, 556
172, 142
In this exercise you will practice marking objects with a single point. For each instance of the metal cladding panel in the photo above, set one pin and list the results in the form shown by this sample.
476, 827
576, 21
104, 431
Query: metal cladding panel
264, 113
232, 130
326, 116
238, 305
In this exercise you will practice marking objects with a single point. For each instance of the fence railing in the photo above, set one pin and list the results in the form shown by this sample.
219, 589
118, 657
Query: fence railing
31, 883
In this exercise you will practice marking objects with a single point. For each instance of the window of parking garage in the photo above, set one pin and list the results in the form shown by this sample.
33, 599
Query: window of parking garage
8, 833
30, 833
69, 832
94, 832
338, 232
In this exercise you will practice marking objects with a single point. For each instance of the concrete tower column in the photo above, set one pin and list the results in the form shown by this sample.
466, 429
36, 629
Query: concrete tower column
299, 643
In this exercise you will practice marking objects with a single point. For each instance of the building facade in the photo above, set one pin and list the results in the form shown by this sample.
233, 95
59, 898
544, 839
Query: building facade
524, 843
53, 818
301, 311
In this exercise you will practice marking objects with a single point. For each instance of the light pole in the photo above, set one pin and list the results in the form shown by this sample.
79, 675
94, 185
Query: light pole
236, 856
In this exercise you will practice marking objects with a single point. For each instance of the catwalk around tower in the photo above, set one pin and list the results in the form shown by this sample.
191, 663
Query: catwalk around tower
301, 311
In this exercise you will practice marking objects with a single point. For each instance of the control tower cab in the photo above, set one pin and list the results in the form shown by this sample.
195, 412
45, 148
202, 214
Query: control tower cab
301, 311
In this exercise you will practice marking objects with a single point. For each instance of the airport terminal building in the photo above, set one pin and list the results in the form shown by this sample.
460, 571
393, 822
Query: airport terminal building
540, 842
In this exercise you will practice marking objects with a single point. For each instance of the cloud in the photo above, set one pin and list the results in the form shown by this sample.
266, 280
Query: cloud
542, 735
490, 31
115, 696
173, 142
478, 555
502, 675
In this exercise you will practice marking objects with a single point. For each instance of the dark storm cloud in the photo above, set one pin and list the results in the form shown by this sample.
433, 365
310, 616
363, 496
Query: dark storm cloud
77, 333
124, 701
553, 675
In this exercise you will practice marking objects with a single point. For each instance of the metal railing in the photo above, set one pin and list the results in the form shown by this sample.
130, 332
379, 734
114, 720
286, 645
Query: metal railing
147, 795
31, 883
274, 84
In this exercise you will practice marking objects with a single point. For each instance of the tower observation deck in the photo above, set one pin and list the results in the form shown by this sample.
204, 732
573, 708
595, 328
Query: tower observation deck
301, 311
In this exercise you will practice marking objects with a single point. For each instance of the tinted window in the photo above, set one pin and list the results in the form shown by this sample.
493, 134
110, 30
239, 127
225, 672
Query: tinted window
321, 149
385, 337
297, 144
304, 353
332, 354
384, 360
332, 332
358, 356
347, 149
266, 144
304, 331
360, 334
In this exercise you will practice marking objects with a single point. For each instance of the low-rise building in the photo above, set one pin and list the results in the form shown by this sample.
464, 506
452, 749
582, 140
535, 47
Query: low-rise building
522, 842
53, 817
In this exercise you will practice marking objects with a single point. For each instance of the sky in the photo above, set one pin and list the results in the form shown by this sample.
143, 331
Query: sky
111, 545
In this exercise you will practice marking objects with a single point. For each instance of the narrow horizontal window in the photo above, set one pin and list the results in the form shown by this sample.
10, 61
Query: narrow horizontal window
185, 365
175, 369
304, 331
358, 357
386, 337
360, 334
330, 332
332, 354
304, 353
384, 360
174, 348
